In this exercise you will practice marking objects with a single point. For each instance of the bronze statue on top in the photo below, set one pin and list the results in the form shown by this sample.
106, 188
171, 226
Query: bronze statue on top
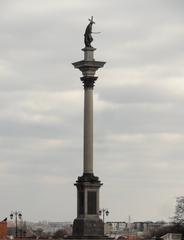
87, 35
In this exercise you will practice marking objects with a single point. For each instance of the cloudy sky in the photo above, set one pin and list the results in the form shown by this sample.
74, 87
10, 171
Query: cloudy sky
138, 105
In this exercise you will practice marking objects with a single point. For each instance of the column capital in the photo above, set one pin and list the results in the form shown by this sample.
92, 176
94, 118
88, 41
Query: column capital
88, 81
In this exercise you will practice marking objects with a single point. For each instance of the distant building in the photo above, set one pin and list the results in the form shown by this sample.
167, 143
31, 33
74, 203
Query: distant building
119, 228
3, 230
48, 227
172, 236
115, 227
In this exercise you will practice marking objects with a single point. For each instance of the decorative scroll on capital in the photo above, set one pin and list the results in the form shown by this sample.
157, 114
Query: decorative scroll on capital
88, 81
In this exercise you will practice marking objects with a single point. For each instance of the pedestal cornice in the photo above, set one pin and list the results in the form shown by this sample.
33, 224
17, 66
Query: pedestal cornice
88, 178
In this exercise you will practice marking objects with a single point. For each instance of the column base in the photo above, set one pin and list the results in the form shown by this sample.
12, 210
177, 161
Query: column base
90, 227
88, 177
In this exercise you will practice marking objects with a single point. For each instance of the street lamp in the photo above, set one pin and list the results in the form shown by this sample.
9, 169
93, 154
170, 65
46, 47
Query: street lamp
104, 212
17, 215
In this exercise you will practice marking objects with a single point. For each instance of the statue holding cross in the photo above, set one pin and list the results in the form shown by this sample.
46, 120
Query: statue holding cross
87, 35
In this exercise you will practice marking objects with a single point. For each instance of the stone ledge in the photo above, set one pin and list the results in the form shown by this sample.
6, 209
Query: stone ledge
88, 177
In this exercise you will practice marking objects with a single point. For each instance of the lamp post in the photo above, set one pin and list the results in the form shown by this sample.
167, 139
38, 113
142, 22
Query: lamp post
17, 215
104, 212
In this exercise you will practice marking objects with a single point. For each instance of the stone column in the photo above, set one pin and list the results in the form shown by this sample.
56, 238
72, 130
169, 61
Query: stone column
88, 130
88, 224
88, 124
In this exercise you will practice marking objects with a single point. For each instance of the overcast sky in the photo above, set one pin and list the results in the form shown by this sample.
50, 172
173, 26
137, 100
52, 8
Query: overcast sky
138, 106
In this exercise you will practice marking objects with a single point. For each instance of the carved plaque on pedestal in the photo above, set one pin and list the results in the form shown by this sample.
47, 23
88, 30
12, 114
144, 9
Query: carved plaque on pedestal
92, 208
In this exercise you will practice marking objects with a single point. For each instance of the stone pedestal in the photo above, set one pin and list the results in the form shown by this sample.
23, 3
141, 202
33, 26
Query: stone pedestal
88, 222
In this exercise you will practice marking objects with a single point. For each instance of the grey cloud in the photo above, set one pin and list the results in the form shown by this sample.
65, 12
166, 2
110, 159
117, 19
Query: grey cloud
139, 98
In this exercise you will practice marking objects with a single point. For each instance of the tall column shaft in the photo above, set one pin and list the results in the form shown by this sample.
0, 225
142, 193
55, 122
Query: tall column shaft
88, 130
88, 225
